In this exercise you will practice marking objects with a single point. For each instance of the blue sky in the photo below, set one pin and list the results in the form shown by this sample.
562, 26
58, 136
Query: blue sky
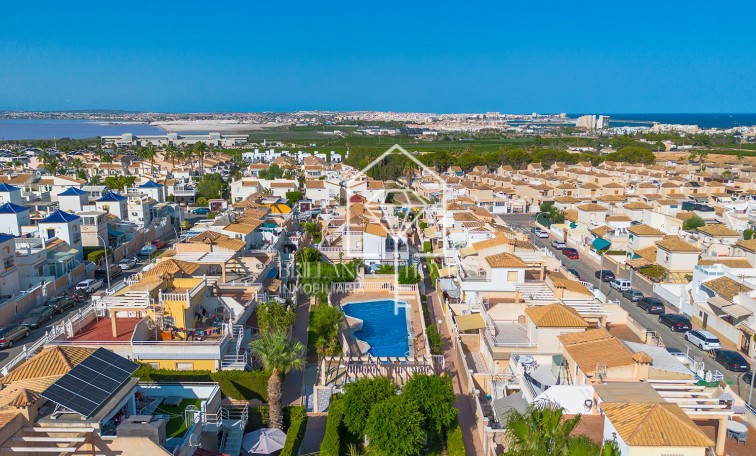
640, 56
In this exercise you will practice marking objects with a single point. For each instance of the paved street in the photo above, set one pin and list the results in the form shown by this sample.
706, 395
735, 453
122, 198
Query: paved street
586, 269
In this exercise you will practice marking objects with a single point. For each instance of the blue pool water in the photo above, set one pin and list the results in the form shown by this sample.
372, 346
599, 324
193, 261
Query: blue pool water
384, 330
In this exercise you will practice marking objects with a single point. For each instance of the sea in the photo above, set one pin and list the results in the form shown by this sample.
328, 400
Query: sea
17, 129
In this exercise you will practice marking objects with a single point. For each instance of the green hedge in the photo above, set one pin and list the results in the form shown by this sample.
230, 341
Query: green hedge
239, 385
455, 446
331, 444
434, 340
615, 252
96, 256
427, 247
295, 432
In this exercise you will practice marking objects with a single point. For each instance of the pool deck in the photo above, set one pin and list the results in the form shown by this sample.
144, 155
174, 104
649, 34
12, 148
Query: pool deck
413, 307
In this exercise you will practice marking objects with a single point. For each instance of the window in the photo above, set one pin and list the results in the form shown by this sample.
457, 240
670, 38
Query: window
50, 233
513, 276
184, 366
154, 365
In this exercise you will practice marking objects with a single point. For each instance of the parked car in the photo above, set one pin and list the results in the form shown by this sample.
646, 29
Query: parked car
675, 322
574, 272
12, 333
127, 263
632, 294
37, 316
159, 244
571, 253
60, 303
558, 244
703, 339
651, 305
114, 269
147, 250
620, 284
679, 355
605, 275
732, 360
205, 211
185, 224
747, 378
89, 285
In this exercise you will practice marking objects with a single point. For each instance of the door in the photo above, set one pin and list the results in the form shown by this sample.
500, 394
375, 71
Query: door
745, 343
705, 320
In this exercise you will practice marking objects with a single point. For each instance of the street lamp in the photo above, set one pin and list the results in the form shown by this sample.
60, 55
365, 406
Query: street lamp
753, 375
107, 269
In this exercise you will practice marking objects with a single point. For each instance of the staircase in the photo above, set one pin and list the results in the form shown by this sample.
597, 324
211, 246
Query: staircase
234, 421
237, 357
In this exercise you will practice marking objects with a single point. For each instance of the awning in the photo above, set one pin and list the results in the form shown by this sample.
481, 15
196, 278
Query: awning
470, 322
600, 244
430, 232
448, 271
736, 311
467, 251
450, 287
718, 302
637, 263
747, 330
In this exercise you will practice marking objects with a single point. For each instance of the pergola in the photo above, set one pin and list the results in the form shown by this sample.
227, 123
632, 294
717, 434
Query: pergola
205, 258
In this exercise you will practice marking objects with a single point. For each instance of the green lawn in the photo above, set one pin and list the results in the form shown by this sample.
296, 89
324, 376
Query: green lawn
176, 426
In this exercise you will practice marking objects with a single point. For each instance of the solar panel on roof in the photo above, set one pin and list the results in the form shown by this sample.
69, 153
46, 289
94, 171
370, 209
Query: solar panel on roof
86, 387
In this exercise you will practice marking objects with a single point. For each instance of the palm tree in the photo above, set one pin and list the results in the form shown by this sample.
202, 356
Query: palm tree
77, 165
279, 355
199, 149
170, 153
148, 154
543, 430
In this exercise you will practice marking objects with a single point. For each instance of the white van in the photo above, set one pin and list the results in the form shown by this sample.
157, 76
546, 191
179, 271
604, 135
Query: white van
621, 284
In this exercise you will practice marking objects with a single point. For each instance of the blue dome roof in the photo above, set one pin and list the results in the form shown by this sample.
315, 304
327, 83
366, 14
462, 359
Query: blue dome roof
7, 188
73, 191
111, 197
150, 184
4, 237
10, 208
60, 217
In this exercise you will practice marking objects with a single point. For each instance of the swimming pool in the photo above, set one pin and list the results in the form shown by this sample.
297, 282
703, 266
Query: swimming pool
384, 325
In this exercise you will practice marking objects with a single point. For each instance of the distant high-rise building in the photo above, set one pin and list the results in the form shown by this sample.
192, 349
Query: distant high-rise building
592, 122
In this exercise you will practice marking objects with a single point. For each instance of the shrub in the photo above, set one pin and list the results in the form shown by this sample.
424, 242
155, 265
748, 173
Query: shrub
747, 234
615, 252
434, 340
331, 444
240, 385
359, 399
96, 256
653, 272
295, 431
692, 223
455, 446
427, 247
201, 202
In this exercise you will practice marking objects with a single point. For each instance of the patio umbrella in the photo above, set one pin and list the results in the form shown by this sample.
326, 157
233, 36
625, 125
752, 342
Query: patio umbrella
263, 441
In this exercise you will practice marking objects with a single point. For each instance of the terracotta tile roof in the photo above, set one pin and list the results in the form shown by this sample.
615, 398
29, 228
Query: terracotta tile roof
637, 205
218, 239
314, 184
654, 425
53, 361
488, 243
567, 200
171, 267
729, 262
376, 229
749, 245
555, 316
726, 287
505, 260
465, 217
592, 207
560, 281
618, 218
600, 230
675, 244
597, 346
571, 215
718, 230
644, 230
243, 228
647, 253
667, 202
685, 215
